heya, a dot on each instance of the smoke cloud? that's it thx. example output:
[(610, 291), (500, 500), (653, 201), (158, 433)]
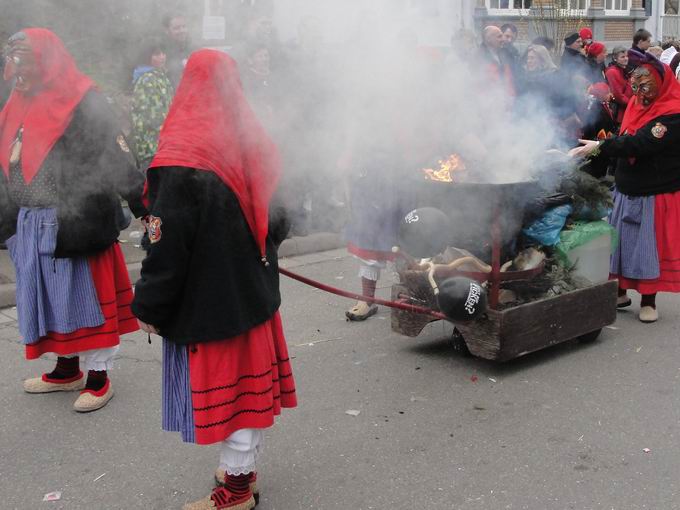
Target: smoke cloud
[(349, 87)]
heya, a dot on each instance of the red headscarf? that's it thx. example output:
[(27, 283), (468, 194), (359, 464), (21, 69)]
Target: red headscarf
[(585, 33), (45, 115), (666, 103), (596, 48), (600, 91), (211, 127)]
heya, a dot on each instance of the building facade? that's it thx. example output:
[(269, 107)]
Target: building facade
[(612, 21)]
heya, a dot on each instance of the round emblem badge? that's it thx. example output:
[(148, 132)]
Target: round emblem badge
[(659, 130)]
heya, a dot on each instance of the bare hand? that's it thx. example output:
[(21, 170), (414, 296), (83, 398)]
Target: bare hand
[(147, 328), (588, 147)]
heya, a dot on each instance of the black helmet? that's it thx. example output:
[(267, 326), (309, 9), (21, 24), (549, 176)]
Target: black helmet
[(424, 232), (461, 299)]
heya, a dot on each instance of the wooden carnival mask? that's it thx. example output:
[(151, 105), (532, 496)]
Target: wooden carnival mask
[(645, 86), (20, 64)]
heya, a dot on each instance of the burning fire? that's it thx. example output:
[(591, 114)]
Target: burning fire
[(454, 163)]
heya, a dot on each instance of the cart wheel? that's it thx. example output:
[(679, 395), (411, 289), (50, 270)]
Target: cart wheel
[(458, 343), (589, 337)]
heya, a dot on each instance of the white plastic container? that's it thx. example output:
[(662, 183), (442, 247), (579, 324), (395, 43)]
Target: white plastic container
[(592, 259)]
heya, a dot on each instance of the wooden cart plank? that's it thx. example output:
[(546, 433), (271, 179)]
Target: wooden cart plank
[(483, 336), (407, 323), (540, 324), (507, 334)]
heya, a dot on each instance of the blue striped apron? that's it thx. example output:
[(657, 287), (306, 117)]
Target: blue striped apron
[(636, 255), (53, 294), (178, 414)]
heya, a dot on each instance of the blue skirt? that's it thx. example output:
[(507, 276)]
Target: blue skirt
[(377, 208)]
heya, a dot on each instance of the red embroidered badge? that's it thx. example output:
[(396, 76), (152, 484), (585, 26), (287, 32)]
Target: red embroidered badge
[(154, 228), (659, 130)]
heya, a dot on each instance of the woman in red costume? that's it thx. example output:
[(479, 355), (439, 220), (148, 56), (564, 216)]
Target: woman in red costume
[(65, 165), (210, 284), (647, 197)]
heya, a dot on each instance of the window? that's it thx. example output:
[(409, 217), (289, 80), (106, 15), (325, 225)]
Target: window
[(520, 5), (671, 7), (509, 4), (619, 6)]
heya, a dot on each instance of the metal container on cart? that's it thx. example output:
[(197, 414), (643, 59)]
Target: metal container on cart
[(486, 218)]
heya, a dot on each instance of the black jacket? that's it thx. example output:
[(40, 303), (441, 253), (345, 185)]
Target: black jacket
[(573, 61), (595, 72), (599, 123), (93, 167), (203, 278), (648, 161)]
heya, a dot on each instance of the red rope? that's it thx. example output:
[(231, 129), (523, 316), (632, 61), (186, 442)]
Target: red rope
[(352, 295)]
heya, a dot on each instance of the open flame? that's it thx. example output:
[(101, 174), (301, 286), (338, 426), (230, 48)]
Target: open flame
[(454, 163)]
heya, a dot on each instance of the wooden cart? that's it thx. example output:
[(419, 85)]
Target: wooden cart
[(503, 335)]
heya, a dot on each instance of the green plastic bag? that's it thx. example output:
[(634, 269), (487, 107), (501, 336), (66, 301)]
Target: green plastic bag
[(580, 233)]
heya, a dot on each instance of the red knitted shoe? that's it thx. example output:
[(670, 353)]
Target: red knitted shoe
[(222, 498)]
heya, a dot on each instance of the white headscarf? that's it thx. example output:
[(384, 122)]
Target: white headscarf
[(668, 55)]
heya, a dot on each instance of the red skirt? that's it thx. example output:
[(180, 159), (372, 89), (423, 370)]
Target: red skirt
[(241, 382), (667, 230), (114, 291)]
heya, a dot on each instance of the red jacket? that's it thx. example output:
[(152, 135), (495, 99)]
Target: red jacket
[(620, 87)]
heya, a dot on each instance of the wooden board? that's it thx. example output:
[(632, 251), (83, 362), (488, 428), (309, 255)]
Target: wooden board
[(407, 323), (527, 328)]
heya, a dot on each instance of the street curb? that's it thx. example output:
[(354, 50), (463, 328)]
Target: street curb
[(292, 247), (314, 243), (7, 295)]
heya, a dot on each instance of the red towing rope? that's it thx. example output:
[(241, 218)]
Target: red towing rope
[(333, 290)]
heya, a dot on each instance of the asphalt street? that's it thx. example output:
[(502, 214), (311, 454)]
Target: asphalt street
[(572, 427)]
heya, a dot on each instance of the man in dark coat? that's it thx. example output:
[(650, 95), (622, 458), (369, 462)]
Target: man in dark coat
[(509, 37), (642, 40), (177, 45), (575, 71), (573, 59)]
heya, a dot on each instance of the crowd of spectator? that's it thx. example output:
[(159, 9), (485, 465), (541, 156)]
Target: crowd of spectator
[(297, 87), (587, 93)]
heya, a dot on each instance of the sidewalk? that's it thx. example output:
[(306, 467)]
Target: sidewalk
[(129, 243)]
